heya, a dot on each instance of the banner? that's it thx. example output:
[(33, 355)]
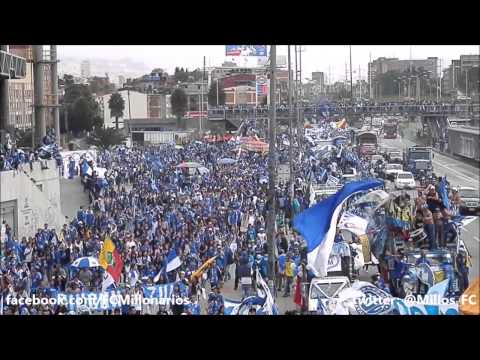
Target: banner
[(334, 263), (245, 50), (163, 291), (353, 223)]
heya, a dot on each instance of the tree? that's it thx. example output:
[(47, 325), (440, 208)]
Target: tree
[(68, 80), (83, 114), (101, 86), (179, 103), (212, 95), (105, 138), (116, 105)]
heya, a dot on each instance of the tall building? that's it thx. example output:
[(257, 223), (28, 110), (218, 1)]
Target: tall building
[(121, 81), (383, 65), (318, 78), (85, 69), (20, 92)]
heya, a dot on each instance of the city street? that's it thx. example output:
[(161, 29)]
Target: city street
[(459, 174)]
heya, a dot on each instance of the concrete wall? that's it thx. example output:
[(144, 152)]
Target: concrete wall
[(34, 206)]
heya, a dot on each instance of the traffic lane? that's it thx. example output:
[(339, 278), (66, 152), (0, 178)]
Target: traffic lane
[(442, 165), (460, 169)]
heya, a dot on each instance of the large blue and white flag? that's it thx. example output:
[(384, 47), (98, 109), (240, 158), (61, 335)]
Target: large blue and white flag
[(173, 261), (318, 223)]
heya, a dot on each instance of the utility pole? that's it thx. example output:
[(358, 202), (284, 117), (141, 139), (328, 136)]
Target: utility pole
[(290, 123), (272, 170), (351, 78), (201, 99), (360, 81), (300, 111), (40, 127), (370, 77), (54, 77), (299, 140), (466, 82)]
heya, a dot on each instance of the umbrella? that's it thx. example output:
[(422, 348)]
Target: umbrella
[(85, 262), (189, 164), (203, 170), (226, 161)]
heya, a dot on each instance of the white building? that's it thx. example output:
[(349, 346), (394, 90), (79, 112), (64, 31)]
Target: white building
[(85, 69), (135, 107)]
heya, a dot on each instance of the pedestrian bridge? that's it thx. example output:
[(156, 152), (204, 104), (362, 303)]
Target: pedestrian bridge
[(447, 110)]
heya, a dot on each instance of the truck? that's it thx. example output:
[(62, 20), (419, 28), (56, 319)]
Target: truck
[(418, 160), (366, 142), (390, 128)]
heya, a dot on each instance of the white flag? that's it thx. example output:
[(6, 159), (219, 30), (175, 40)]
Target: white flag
[(353, 223), (107, 281)]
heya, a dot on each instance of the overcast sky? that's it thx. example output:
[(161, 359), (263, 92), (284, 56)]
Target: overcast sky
[(315, 57)]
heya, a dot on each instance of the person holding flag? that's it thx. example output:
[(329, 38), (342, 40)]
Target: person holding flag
[(110, 260)]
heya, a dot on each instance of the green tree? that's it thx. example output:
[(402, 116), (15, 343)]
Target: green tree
[(116, 105), (212, 95), (83, 114), (68, 80), (106, 137), (179, 102)]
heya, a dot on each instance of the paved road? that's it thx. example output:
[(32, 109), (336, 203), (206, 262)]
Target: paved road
[(458, 174), (72, 196)]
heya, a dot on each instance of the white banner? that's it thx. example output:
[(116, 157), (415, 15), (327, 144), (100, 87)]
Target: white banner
[(353, 223)]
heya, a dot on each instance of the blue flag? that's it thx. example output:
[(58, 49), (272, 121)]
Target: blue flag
[(442, 190), (318, 223)]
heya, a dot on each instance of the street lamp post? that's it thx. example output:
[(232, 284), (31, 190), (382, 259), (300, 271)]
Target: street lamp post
[(271, 218), (466, 82)]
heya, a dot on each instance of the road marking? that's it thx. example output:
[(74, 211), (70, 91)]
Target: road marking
[(476, 239), (456, 173)]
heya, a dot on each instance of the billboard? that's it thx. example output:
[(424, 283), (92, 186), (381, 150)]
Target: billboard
[(246, 50)]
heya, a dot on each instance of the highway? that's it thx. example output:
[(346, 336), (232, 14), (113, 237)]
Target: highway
[(458, 174)]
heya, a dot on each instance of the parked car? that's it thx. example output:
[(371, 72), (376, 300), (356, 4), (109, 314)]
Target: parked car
[(469, 200), (404, 180)]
